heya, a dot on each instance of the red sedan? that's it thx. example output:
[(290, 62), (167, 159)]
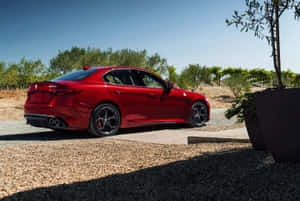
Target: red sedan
[(104, 99)]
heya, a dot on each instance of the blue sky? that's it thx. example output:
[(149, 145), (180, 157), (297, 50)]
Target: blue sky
[(183, 31)]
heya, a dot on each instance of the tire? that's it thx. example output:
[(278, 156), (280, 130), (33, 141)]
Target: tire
[(105, 120), (198, 114)]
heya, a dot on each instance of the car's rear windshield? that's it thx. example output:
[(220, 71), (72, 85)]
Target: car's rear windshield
[(77, 75)]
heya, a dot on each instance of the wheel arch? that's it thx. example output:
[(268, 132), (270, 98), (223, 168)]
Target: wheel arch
[(200, 100)]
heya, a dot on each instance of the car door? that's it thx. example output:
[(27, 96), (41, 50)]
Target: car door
[(151, 88), (136, 102), (167, 104), (176, 104)]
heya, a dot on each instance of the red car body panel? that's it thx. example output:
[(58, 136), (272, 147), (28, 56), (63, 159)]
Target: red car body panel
[(139, 106)]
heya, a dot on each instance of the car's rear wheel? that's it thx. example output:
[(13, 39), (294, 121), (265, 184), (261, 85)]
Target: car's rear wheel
[(105, 120), (199, 114)]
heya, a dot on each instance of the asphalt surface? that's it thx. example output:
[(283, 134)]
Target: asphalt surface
[(17, 132)]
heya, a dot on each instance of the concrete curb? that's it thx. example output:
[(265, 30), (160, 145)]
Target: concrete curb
[(198, 140)]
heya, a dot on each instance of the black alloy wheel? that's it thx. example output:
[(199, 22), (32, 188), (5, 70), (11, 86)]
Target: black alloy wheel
[(199, 114), (105, 120)]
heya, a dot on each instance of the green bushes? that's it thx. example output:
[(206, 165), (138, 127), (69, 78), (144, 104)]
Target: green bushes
[(193, 75), (19, 75), (238, 84), (76, 58)]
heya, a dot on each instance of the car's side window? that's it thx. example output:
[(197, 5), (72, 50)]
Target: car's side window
[(144, 79), (119, 77)]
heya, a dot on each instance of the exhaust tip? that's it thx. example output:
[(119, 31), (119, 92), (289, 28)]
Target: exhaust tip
[(57, 123)]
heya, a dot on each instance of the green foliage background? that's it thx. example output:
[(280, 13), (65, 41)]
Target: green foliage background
[(19, 75)]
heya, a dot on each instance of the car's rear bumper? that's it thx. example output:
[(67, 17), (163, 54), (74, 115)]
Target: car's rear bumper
[(56, 117), (47, 121)]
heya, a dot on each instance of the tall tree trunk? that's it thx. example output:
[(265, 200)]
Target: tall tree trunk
[(274, 55), (277, 39)]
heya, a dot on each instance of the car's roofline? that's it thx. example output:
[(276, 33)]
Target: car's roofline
[(118, 67), (108, 68)]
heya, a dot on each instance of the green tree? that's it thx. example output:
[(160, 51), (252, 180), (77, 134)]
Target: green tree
[(216, 73), (67, 61), (2, 67), (205, 75), (76, 58), (288, 78), (234, 71), (28, 71), (92, 57), (296, 82), (238, 84), (172, 76), (193, 75), (9, 77), (182, 81), (2, 70), (158, 64), (263, 14), (259, 75), (229, 71)]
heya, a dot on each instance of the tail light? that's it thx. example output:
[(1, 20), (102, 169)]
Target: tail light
[(52, 88), (60, 90), (66, 91)]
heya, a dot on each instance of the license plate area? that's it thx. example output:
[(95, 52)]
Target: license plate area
[(40, 98)]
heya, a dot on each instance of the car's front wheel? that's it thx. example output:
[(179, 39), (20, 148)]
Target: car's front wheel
[(199, 114), (105, 120)]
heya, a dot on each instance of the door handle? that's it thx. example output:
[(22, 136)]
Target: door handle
[(151, 95), (118, 92)]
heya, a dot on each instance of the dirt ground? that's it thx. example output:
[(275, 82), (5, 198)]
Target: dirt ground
[(218, 97), (12, 104), (12, 101)]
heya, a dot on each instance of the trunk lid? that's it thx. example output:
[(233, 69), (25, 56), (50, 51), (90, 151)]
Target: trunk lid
[(44, 92)]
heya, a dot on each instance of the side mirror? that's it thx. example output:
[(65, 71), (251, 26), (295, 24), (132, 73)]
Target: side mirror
[(170, 85)]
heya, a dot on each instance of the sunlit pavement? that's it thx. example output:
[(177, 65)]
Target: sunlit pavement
[(17, 132)]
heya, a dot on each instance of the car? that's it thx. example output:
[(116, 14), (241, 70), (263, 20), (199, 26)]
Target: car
[(104, 99)]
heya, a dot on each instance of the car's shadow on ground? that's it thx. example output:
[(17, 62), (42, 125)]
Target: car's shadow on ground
[(152, 128), (45, 136)]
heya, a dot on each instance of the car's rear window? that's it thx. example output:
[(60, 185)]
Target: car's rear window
[(77, 75)]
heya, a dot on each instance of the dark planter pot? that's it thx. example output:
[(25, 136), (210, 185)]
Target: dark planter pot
[(278, 115), (254, 133)]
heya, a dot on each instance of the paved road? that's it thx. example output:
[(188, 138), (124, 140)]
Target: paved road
[(17, 132)]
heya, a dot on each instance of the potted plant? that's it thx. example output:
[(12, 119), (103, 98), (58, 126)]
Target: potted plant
[(278, 112), (244, 107), (277, 109)]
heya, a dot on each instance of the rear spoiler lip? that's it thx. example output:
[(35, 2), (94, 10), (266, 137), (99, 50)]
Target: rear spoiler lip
[(45, 82), (31, 85)]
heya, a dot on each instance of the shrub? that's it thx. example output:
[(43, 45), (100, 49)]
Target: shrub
[(244, 106), (238, 84)]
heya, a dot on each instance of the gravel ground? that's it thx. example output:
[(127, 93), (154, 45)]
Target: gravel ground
[(113, 170), (26, 167)]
